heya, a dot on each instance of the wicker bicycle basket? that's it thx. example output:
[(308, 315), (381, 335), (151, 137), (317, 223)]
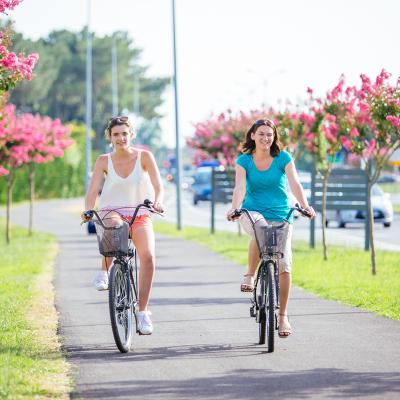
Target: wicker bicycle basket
[(113, 240), (271, 239)]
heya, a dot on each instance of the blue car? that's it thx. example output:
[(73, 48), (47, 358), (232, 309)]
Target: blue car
[(201, 186)]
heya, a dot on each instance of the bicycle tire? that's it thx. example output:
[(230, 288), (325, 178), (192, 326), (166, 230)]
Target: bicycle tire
[(270, 320), (121, 313), (260, 299)]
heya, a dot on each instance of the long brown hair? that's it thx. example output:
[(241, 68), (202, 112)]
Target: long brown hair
[(249, 145)]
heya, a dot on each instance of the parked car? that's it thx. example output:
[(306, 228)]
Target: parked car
[(201, 186), (381, 204), (389, 178)]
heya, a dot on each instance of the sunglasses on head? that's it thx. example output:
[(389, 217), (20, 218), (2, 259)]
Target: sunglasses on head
[(118, 120)]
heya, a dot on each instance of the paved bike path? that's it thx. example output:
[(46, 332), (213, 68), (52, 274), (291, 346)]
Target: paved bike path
[(204, 344)]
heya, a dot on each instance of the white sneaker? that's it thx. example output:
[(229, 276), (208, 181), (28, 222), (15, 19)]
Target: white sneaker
[(101, 280), (144, 324)]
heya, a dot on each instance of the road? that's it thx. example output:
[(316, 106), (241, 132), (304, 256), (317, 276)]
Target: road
[(204, 344), (352, 235)]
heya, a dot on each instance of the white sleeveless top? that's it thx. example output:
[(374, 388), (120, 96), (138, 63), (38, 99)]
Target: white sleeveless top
[(126, 192)]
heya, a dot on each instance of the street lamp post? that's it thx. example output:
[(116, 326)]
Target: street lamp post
[(177, 139), (114, 77), (88, 120)]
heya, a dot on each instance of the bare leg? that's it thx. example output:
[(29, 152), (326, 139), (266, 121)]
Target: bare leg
[(253, 261), (106, 263), (285, 279), (254, 257), (143, 239)]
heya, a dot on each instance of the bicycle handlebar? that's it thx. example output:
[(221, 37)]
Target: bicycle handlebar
[(239, 211), (88, 214)]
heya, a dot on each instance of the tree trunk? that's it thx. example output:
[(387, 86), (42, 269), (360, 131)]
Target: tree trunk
[(10, 183), (371, 229), (31, 177), (323, 213)]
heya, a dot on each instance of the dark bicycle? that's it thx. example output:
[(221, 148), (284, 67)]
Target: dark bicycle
[(114, 241), (265, 300)]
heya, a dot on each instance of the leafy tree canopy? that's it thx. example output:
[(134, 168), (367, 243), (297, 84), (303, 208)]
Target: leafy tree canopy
[(59, 88)]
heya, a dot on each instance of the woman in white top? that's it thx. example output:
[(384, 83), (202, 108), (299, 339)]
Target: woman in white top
[(130, 176)]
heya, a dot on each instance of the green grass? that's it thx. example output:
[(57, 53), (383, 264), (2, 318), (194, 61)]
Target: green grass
[(390, 187), (396, 208), (31, 363), (345, 277)]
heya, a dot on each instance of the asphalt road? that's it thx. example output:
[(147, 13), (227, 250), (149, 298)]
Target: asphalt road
[(204, 343)]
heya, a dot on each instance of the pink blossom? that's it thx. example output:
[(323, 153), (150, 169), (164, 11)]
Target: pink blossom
[(380, 79), (354, 132), (8, 4), (346, 142), (395, 121), (367, 153), (3, 171)]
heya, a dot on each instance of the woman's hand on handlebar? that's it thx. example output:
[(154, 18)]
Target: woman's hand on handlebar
[(309, 212), (86, 216), (158, 207), (232, 214)]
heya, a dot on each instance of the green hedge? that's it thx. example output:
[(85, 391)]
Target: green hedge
[(63, 177)]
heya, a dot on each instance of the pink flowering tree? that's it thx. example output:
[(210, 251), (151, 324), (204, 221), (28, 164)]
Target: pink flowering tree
[(13, 154), (13, 68), (46, 139), (219, 137), (375, 132), (8, 5), (292, 128), (27, 140), (327, 123)]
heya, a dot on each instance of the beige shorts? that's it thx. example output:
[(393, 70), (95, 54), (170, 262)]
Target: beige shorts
[(284, 244)]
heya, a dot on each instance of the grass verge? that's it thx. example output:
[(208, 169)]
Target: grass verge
[(390, 187), (31, 362), (345, 277)]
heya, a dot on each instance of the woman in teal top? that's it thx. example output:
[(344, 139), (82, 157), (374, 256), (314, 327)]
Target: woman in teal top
[(262, 172)]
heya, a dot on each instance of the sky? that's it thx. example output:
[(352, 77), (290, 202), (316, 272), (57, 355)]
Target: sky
[(237, 54)]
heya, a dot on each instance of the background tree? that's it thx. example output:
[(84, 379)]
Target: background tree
[(375, 134), (59, 86), (46, 140)]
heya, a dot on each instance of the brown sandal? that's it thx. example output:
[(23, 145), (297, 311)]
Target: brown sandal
[(248, 283), (284, 330)]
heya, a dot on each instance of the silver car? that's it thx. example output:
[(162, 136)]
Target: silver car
[(381, 204)]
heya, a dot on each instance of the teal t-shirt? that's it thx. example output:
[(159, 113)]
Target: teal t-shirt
[(266, 191)]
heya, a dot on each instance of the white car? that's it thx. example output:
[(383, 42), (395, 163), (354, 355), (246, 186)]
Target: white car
[(381, 204)]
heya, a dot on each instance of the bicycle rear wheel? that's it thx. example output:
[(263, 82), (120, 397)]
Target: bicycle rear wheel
[(121, 313), (271, 305)]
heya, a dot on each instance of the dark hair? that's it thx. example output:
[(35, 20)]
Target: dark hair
[(249, 145), (119, 120)]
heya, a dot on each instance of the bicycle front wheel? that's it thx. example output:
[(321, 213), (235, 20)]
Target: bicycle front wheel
[(271, 305), (261, 303), (121, 313)]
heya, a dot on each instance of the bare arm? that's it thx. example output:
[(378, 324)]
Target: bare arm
[(149, 165), (96, 182), (297, 188), (239, 190)]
